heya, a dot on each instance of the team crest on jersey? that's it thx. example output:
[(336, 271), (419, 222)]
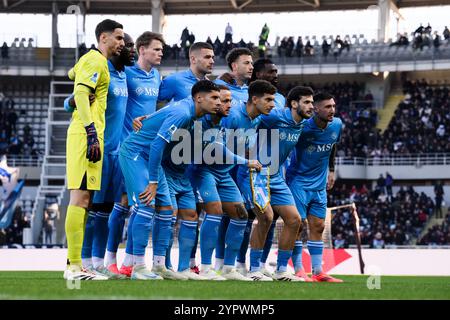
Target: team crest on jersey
[(311, 149), (94, 77), (334, 135)]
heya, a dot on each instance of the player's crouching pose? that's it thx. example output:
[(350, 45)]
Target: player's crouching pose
[(140, 159), (220, 195)]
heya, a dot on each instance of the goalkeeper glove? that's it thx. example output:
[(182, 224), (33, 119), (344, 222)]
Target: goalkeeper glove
[(67, 105), (93, 145)]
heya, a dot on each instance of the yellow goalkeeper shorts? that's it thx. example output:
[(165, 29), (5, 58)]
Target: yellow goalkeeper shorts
[(77, 165)]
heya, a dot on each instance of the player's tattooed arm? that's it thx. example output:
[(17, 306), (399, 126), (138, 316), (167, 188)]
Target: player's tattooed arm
[(332, 160), (331, 164)]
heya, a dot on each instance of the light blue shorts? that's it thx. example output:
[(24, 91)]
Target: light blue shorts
[(135, 172), (213, 186), (313, 202), (181, 192)]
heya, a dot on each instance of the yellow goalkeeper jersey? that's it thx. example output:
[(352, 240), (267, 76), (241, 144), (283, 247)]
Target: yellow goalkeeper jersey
[(91, 71)]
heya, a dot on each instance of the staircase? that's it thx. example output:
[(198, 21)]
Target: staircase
[(385, 114), (430, 223), (53, 174)]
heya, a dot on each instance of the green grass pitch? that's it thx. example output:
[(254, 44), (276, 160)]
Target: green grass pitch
[(50, 285)]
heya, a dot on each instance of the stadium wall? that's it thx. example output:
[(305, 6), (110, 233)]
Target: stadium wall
[(425, 172), (431, 75), (426, 262)]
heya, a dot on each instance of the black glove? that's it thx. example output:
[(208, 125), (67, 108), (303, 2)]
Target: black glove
[(93, 145)]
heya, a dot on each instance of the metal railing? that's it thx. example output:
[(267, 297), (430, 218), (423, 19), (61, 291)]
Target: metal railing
[(358, 54), (24, 161), (417, 160), (426, 159)]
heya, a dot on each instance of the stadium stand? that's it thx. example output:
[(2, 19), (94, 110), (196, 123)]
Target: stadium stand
[(29, 102), (420, 123), (438, 234), (398, 218)]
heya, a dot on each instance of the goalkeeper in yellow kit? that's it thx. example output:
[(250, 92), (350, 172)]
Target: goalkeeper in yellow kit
[(84, 146)]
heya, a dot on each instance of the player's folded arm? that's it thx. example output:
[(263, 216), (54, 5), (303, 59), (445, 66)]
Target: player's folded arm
[(155, 158), (81, 94)]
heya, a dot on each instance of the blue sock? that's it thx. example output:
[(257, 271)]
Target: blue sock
[(100, 234), (233, 241), (269, 241), (129, 248), (315, 249), (282, 260), (220, 246), (209, 231), (86, 250), (115, 226), (162, 228), (245, 241), (194, 249), (142, 226), (169, 249), (255, 259), (297, 255), (186, 240)]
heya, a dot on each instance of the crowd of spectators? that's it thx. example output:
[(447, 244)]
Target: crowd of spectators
[(11, 142), (20, 44), (423, 37), (287, 47), (384, 219), (221, 48), (14, 233), (421, 122), (437, 234)]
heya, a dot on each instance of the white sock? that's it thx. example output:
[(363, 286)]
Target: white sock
[(241, 265), (205, 267), (87, 263), (192, 263), (219, 264), (159, 261), (138, 260), (98, 262), (110, 258), (262, 265), (128, 261)]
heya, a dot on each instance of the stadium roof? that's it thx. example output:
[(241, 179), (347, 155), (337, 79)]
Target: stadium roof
[(200, 6)]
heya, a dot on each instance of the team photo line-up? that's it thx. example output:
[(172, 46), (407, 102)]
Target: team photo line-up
[(161, 151)]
